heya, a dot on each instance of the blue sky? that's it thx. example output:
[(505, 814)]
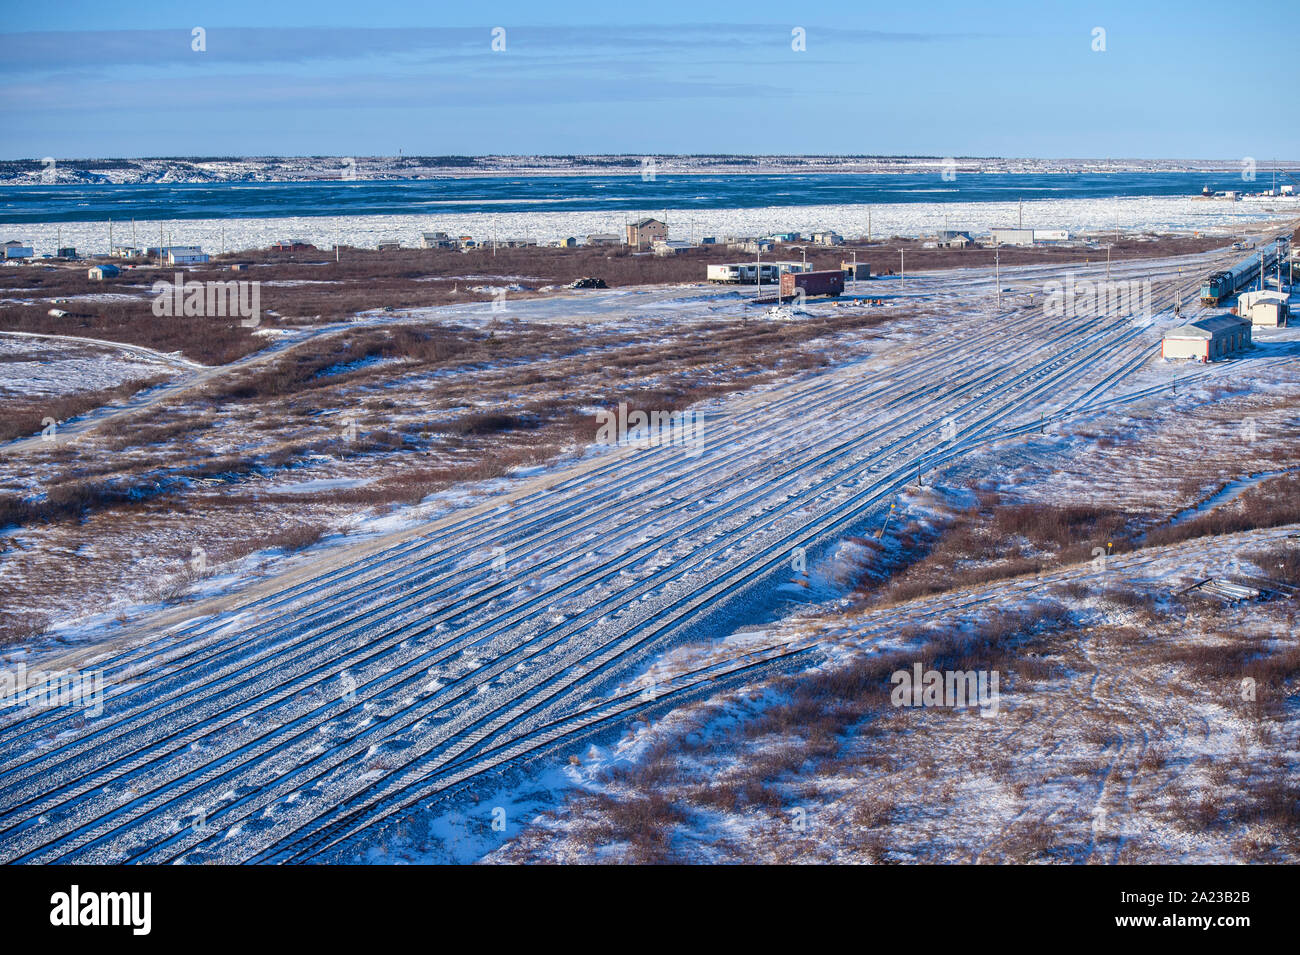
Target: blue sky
[(372, 78)]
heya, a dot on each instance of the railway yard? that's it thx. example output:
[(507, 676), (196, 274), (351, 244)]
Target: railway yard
[(502, 634)]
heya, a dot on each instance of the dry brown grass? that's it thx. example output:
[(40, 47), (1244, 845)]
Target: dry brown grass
[(285, 398), (18, 627), (1121, 722), (1273, 502), (410, 278), (996, 540), (23, 416)]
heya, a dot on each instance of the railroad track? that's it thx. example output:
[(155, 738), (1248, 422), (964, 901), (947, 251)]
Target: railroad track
[(265, 762), (1012, 592), (43, 767)]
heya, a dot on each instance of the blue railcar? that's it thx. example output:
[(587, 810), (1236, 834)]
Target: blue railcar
[(1219, 285)]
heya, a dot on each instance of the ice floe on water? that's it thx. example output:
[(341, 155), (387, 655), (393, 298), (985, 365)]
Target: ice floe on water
[(1150, 213)]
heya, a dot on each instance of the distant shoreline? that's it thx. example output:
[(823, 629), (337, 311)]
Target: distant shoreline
[(308, 169)]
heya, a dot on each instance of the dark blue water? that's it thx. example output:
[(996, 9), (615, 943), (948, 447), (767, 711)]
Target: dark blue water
[(238, 200)]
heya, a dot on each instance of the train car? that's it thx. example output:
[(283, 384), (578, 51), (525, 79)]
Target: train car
[(829, 282), (1220, 285)]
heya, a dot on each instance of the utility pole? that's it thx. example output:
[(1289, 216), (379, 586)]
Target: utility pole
[(855, 268), (110, 236), (997, 272), (888, 514), (902, 271), (1108, 261)]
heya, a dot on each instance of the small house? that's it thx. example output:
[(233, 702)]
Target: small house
[(950, 239), (646, 232)]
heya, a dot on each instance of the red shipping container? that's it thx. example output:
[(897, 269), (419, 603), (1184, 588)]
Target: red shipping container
[(830, 282)]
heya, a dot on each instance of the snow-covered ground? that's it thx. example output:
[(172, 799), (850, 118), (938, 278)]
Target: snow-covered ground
[(1089, 756), (321, 714), (34, 365)]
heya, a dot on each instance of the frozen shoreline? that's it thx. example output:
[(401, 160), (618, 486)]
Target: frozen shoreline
[(1154, 214)]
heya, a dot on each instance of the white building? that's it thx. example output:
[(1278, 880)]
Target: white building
[(751, 272), (670, 246), (1012, 237), (18, 250), (186, 255), (1207, 339), (1266, 309)]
